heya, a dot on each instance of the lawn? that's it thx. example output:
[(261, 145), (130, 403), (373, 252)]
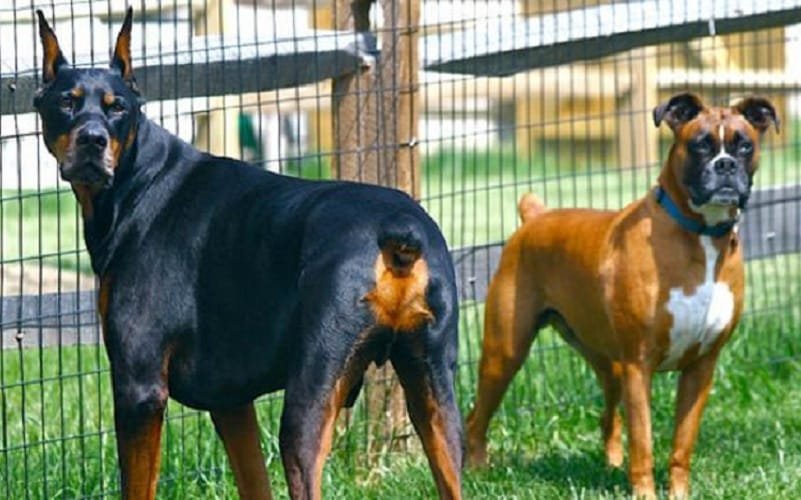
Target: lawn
[(55, 405), (42, 225), (57, 421)]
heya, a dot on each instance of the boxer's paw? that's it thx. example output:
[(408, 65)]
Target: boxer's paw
[(476, 452), (614, 454), (679, 483), (643, 487)]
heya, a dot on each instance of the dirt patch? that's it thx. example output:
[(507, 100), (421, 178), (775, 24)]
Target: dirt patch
[(34, 279)]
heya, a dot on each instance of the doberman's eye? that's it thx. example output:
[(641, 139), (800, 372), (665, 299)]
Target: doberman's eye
[(66, 102), (116, 107)]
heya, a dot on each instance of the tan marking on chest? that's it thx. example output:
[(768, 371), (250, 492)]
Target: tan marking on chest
[(85, 194), (103, 299)]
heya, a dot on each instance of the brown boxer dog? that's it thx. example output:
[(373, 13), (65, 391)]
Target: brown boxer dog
[(653, 287)]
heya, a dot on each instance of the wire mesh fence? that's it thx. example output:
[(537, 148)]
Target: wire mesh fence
[(466, 104)]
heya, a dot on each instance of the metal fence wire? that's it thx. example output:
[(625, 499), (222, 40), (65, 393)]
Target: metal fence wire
[(467, 104)]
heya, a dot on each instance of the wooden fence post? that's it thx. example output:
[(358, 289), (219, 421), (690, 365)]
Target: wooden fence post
[(400, 90), (637, 138), (375, 127), (218, 130), (355, 117)]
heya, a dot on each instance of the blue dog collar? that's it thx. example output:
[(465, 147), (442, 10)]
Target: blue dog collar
[(687, 223)]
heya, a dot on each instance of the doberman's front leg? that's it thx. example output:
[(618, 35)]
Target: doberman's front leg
[(239, 430), (138, 416)]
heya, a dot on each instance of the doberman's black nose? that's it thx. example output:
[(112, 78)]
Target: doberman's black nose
[(92, 136)]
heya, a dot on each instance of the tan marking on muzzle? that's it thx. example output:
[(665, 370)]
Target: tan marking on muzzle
[(61, 146), (116, 151), (117, 148)]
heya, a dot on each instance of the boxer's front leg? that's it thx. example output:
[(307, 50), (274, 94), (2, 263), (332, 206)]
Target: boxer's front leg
[(637, 401), (695, 384)]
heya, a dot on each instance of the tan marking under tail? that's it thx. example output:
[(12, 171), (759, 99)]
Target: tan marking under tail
[(398, 300)]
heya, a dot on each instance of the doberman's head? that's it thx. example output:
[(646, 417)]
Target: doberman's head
[(716, 150), (89, 116)]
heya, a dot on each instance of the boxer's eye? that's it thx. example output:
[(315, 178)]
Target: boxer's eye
[(745, 148), (701, 146)]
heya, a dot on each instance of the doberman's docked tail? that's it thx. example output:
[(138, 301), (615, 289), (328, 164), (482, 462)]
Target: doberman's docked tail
[(398, 300)]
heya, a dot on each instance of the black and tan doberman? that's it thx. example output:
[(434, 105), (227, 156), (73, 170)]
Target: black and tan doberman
[(220, 282)]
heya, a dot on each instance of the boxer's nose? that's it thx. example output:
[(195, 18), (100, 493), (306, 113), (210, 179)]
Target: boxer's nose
[(725, 166)]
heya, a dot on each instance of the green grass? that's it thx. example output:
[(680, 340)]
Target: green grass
[(56, 438), (57, 422), (44, 226)]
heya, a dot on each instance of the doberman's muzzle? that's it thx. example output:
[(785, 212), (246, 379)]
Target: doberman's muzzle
[(89, 158)]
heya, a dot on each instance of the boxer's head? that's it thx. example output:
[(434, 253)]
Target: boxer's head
[(716, 149)]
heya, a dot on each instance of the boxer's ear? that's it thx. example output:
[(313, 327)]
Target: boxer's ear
[(759, 112), (678, 110)]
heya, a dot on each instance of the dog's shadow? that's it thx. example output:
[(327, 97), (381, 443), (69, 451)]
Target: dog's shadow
[(577, 474)]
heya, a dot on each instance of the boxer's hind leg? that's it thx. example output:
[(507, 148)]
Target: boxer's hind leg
[(608, 373), (510, 322)]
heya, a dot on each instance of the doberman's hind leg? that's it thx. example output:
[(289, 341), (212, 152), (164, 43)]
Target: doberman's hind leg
[(509, 329), (313, 398), (427, 377), (239, 430)]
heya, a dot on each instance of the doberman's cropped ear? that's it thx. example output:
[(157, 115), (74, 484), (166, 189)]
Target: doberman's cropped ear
[(53, 58), (678, 110), (759, 112), (122, 50)]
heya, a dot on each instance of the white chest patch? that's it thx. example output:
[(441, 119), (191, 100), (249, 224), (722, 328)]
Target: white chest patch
[(700, 317)]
